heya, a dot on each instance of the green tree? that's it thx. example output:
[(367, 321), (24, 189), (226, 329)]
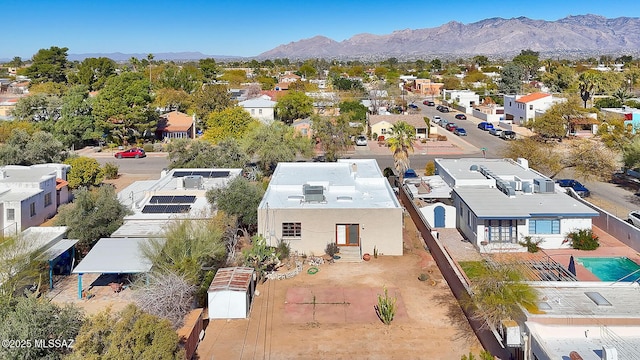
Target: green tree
[(185, 153), (48, 88), (529, 61), (16, 62), (31, 319), (76, 126), (232, 122), (559, 79), (498, 291), (354, 109), (210, 98), (614, 134), (511, 79), (239, 198), (188, 247), (24, 149), (631, 154), (401, 143), (234, 77), (48, 65), (94, 214), (94, 72), (275, 143), (85, 172), (294, 105), (588, 83), (172, 99), (209, 69), (556, 122), (345, 84), (17, 270), (187, 78), (38, 108), (334, 135), (128, 335), (7, 127), (122, 108)]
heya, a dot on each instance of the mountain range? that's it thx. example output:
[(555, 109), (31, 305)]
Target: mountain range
[(570, 37), (495, 37)]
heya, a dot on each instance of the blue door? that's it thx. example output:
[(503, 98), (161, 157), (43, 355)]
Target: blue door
[(438, 216)]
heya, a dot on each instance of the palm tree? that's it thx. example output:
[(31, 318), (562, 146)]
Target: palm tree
[(401, 143), (134, 63), (621, 95), (588, 83)]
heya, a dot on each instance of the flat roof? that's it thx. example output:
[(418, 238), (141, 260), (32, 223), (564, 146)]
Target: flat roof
[(460, 169), (141, 229), (57, 249), (428, 187), (116, 256), (568, 300), (347, 184), (489, 203), (588, 341), (29, 174)]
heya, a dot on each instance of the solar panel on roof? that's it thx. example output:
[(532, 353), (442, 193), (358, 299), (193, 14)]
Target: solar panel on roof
[(203, 173), (165, 209), (178, 199)]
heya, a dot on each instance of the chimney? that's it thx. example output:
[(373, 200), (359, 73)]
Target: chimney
[(354, 169)]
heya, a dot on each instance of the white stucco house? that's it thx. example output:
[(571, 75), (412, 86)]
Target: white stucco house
[(499, 202), (349, 203), (466, 99), (29, 195), (260, 108), (522, 108)]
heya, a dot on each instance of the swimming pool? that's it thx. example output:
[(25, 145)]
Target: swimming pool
[(611, 268)]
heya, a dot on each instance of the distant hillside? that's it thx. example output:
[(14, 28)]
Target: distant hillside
[(170, 56), (573, 35)]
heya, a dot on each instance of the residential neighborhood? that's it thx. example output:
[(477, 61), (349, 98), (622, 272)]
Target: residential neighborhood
[(425, 208)]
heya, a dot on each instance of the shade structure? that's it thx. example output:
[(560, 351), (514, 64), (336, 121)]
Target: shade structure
[(572, 265)]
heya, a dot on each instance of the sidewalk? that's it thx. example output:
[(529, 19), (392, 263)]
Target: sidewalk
[(89, 151)]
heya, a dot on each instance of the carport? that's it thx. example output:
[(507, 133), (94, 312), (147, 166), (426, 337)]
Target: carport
[(60, 257), (115, 256)]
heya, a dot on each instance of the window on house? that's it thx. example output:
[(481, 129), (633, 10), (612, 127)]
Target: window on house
[(253, 111), (47, 199), (260, 111), (503, 231), (530, 107), (292, 230), (32, 208), (11, 214), (544, 226)]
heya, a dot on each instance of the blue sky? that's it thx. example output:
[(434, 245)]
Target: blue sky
[(247, 28)]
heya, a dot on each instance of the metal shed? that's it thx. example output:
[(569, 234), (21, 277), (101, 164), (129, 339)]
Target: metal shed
[(231, 293)]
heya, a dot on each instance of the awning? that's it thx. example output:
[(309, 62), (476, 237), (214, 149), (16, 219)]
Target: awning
[(116, 256), (57, 249)]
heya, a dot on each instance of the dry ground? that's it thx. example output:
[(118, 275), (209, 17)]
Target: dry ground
[(430, 324)]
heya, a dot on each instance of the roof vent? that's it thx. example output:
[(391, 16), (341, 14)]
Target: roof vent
[(295, 197), (344, 198), (473, 168), (313, 193)]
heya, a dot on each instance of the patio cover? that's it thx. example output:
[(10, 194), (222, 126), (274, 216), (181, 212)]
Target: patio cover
[(116, 256), (57, 249)]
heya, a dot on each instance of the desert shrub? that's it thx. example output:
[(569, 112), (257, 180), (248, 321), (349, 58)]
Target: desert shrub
[(386, 308), (158, 147), (331, 249), (148, 147), (531, 244), (110, 170), (201, 293), (283, 250), (442, 138), (423, 277), (430, 168), (583, 239)]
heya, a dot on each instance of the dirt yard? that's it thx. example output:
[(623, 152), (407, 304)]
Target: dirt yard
[(330, 315)]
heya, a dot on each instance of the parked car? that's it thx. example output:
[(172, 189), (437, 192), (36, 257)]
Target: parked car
[(460, 131), (436, 119), (429, 103), (634, 218), (410, 173), (451, 126), (461, 116), (495, 131), (580, 189), (361, 140), (508, 135), (413, 106), (485, 126), (443, 109), (443, 122), (131, 153)]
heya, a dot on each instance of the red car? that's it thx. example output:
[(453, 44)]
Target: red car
[(131, 153), (461, 117), (451, 126)]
